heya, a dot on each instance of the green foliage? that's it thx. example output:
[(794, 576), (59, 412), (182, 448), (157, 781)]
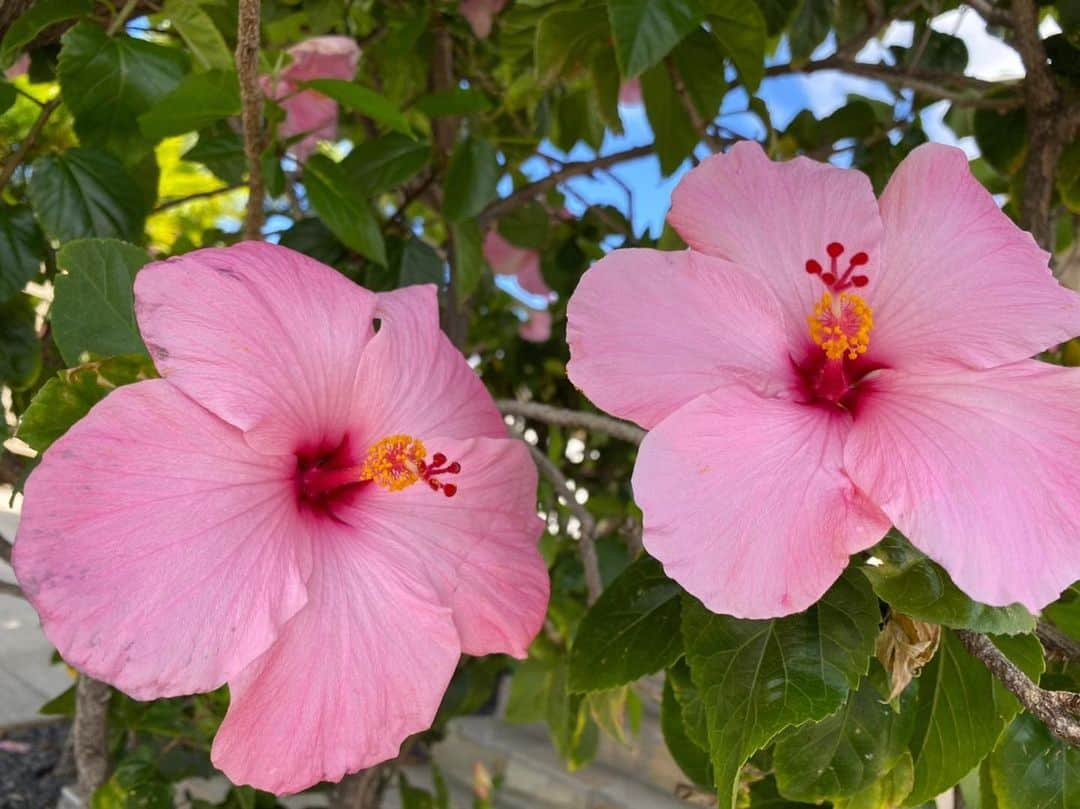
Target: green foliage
[(21, 247), (198, 101), (645, 31), (470, 179), (93, 311), (759, 677), (343, 208), (1032, 769), (631, 631), (37, 17), (913, 584)]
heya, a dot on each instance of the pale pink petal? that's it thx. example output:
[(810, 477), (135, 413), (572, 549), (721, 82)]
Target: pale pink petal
[(961, 282), (480, 14), (772, 217), (650, 330), (478, 547), (537, 326), (978, 469), (18, 68), (265, 337), (161, 552), (439, 395), (630, 92), (325, 57), (509, 259), (746, 503), (310, 112), (355, 673)]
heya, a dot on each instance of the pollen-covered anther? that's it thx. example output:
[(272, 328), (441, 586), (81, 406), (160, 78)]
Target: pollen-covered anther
[(841, 325), (397, 462)]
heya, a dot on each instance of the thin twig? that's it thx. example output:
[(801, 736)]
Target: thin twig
[(90, 734), (12, 468), (119, 20), (592, 422), (173, 203), (991, 13), (27, 143), (6, 547), (589, 560), (1057, 643), (699, 124), (1056, 709), (247, 67), (533, 190), (8, 589)]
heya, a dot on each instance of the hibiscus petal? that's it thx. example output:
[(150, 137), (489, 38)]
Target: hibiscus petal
[(478, 547), (771, 217), (325, 57), (978, 469), (962, 283), (162, 553), (265, 337), (356, 672), (650, 330), (746, 504), (311, 112), (440, 395)]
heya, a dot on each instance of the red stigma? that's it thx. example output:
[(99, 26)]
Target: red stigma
[(430, 474), (833, 278)]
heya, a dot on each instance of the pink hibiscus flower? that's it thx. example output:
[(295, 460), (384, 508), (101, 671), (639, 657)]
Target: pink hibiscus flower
[(506, 258), (536, 328), (322, 515), (18, 68), (821, 364), (306, 111), (630, 92), (480, 15)]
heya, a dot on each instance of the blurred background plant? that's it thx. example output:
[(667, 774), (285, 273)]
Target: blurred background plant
[(496, 148)]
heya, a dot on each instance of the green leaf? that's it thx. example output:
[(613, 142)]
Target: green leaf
[(20, 349), (458, 101), (93, 305), (108, 81), (471, 179), (740, 29), (645, 31), (199, 33), (199, 100), (565, 38), (914, 585), (691, 758), (364, 100), (674, 134), (420, 264), (37, 17), (765, 795), (21, 249), (961, 710), (68, 396), (845, 753), (343, 207), (1001, 138), (86, 192), (694, 713), (469, 265), (760, 677), (777, 14), (312, 238), (384, 163), (8, 97), (1033, 769), (222, 152), (632, 630), (527, 225), (887, 792)]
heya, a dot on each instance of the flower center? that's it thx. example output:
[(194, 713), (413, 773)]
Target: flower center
[(397, 462), (394, 463), (841, 325)]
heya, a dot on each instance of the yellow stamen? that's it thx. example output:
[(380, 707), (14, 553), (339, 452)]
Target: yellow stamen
[(395, 462), (841, 326)]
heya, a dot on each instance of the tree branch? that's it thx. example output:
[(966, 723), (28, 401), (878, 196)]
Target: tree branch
[(6, 547), (1057, 643), (28, 142), (593, 422), (991, 13), (576, 169), (8, 589), (589, 560), (1045, 123), (247, 67), (11, 468), (90, 734), (1056, 709)]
